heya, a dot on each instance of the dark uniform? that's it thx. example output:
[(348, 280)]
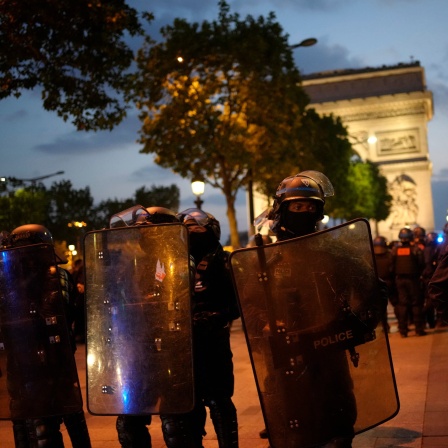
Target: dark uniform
[(44, 431), (438, 289), (384, 266), (214, 308), (431, 256), (408, 264), (298, 207)]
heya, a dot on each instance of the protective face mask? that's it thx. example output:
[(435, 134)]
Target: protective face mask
[(299, 224), (201, 244)]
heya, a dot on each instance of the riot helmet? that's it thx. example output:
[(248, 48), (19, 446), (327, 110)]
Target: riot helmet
[(138, 215), (204, 232), (160, 215), (419, 234), (299, 204), (379, 245), (30, 234), (202, 219), (431, 238), (406, 235)]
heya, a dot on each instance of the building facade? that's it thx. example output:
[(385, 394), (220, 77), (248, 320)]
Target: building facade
[(386, 111)]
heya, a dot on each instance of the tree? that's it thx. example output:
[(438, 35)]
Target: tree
[(67, 212), (365, 193), (23, 205), (168, 197), (74, 50), (223, 101), (70, 213), (161, 196)]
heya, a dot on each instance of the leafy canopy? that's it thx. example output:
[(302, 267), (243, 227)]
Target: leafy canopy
[(68, 212), (222, 101), (365, 193), (76, 51)]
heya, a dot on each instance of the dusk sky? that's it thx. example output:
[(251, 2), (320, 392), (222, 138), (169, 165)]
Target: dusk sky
[(350, 33)]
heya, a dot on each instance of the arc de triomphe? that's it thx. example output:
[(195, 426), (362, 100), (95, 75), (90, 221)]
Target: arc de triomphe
[(386, 111)]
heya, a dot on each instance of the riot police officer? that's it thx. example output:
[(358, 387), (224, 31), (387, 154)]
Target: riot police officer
[(133, 430), (293, 296), (419, 237), (444, 243), (214, 308), (431, 256), (298, 208), (44, 431), (438, 289), (384, 266), (408, 265)]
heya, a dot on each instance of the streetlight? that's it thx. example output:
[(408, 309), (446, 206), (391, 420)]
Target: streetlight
[(305, 43), (198, 187), (35, 179), (32, 180)]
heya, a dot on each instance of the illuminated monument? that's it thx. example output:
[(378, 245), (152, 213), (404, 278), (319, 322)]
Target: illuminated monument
[(386, 111)]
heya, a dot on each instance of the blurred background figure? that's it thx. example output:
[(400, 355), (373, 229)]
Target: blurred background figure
[(384, 266), (431, 254), (438, 290), (419, 237), (408, 264)]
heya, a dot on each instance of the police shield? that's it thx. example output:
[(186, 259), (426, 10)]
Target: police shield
[(138, 317), (314, 323), (38, 370)]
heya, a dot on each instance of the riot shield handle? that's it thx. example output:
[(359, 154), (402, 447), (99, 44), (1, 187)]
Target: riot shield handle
[(277, 332)]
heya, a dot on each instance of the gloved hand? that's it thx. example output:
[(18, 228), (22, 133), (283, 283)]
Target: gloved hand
[(209, 320)]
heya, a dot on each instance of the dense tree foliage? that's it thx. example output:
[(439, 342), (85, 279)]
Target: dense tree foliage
[(222, 100), (168, 197), (68, 213), (75, 51), (365, 194)]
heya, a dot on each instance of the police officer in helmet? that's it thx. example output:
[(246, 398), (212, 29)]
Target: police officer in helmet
[(408, 265), (384, 264), (297, 209), (132, 430), (299, 205), (44, 431), (214, 308)]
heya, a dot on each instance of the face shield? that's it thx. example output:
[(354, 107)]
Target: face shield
[(194, 214), (129, 217)]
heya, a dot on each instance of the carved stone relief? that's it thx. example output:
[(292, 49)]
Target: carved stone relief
[(397, 142), (404, 210)]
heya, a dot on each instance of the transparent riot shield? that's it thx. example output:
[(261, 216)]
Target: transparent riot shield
[(38, 369), (138, 317), (314, 323)]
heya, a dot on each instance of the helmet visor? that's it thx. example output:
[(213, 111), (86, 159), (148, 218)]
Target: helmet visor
[(195, 214), (129, 217)]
